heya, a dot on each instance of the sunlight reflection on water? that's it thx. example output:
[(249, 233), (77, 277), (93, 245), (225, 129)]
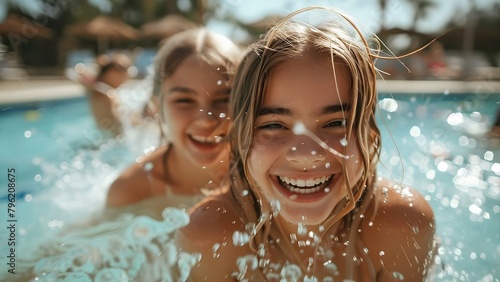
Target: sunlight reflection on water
[(441, 143)]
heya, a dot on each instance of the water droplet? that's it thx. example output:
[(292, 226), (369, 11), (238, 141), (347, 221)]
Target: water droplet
[(219, 82), (475, 209), (385, 190), (38, 178), (415, 131), (148, 166), (455, 119), (398, 276), (215, 247), (343, 142), (240, 238), (299, 128), (382, 253), (301, 229), (388, 104), (275, 207), (222, 115), (488, 155)]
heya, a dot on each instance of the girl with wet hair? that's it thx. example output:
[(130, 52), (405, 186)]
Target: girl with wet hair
[(132, 239), (193, 74), (103, 92), (304, 202)]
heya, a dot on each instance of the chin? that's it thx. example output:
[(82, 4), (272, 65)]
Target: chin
[(208, 160), (307, 217)]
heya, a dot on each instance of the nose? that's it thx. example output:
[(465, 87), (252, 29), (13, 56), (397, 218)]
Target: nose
[(306, 152), (206, 115)]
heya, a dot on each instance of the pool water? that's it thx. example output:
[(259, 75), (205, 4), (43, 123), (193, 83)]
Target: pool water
[(442, 141), (437, 143), (63, 163)]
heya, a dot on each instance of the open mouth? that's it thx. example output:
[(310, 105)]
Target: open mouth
[(211, 140), (308, 186)]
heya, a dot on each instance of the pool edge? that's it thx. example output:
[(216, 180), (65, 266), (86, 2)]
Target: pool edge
[(18, 92)]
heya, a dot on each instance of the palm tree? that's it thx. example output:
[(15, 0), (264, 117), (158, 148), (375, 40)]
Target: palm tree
[(421, 7), (383, 7)]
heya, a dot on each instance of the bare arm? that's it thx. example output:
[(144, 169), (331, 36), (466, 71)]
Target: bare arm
[(135, 183), (402, 239), (210, 233)]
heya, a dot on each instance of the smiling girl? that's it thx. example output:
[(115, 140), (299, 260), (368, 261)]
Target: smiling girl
[(304, 201), (193, 74)]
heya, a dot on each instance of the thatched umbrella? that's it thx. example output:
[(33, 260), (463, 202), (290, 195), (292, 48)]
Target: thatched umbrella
[(104, 28), (166, 27), (24, 27)]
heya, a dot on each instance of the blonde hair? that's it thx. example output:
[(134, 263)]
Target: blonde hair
[(289, 40), (215, 49)]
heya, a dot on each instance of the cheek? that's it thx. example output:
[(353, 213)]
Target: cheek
[(268, 142), (175, 118), (354, 164), (255, 163), (259, 162)]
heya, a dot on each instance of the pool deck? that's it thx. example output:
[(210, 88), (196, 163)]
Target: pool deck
[(58, 88)]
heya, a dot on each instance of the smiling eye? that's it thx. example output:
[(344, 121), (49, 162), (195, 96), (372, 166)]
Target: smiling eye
[(337, 123), (183, 101), (222, 101), (272, 126)]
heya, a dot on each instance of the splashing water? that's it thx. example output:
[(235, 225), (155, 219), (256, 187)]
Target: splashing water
[(128, 248), (300, 129)]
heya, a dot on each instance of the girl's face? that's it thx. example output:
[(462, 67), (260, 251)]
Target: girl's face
[(294, 169), (194, 110)]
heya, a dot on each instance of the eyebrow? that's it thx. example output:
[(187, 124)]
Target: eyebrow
[(181, 89), (187, 90), (274, 111), (335, 109), (286, 112)]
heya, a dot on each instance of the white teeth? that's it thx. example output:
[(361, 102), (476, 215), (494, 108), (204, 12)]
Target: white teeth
[(210, 140), (308, 186)]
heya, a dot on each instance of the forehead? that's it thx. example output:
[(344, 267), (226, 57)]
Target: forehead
[(310, 80), (195, 71)]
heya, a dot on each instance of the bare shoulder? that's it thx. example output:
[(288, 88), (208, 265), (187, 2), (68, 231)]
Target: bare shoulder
[(215, 217), (400, 234), (135, 183), (210, 232), (398, 203)]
